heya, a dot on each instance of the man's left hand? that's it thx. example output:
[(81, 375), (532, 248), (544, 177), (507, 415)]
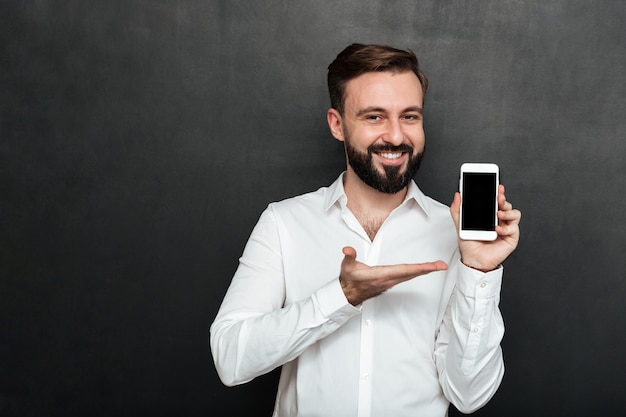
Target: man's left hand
[(487, 256)]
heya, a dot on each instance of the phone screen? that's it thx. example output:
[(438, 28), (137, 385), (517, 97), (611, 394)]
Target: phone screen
[(479, 190)]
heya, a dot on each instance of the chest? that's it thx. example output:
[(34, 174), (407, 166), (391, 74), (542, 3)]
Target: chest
[(312, 253)]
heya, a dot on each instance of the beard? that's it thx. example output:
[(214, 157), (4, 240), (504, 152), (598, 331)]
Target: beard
[(394, 178)]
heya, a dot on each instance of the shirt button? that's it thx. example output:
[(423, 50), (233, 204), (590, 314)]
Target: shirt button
[(365, 375), (368, 322), (483, 284), (475, 329)]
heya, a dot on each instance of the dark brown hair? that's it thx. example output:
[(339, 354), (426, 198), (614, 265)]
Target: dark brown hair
[(358, 59)]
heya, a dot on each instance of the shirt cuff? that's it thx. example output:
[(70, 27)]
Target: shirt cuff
[(476, 284), (333, 304)]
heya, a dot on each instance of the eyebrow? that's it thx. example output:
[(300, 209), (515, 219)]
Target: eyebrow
[(374, 109)]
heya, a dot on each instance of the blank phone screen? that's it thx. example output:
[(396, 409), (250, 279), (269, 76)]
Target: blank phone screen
[(479, 190)]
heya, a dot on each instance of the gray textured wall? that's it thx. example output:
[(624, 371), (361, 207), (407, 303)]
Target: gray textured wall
[(140, 140)]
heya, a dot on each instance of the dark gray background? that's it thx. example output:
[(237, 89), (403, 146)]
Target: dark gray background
[(140, 141)]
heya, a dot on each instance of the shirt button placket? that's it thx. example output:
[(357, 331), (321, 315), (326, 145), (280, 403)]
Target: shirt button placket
[(371, 257), (365, 367)]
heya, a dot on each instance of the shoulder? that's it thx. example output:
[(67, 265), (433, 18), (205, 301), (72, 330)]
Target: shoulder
[(318, 201), (313, 200), (290, 213)]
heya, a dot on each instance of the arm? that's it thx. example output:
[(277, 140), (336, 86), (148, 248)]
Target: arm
[(467, 350), (254, 332), (468, 353)]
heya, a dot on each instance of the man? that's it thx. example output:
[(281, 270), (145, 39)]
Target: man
[(362, 291)]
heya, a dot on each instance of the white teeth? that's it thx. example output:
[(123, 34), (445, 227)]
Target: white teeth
[(391, 155)]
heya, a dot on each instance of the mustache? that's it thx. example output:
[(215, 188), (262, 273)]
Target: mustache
[(390, 148)]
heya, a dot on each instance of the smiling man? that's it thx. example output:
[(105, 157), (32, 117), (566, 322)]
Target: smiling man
[(362, 291)]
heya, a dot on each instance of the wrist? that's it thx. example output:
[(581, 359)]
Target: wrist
[(476, 267)]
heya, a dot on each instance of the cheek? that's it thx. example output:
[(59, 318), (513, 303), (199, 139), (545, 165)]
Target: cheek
[(416, 137), (363, 138)]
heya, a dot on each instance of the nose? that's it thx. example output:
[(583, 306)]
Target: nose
[(394, 134)]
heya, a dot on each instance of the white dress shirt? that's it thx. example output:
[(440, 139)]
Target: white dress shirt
[(408, 352)]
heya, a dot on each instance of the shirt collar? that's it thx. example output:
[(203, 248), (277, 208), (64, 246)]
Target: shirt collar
[(336, 194), (414, 193)]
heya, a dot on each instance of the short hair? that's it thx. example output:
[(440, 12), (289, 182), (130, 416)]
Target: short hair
[(358, 59)]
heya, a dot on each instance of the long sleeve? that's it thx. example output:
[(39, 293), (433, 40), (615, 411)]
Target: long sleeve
[(254, 332), (468, 353), (412, 350)]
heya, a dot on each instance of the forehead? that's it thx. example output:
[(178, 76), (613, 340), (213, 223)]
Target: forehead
[(383, 89)]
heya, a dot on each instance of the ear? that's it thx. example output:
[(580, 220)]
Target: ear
[(335, 123)]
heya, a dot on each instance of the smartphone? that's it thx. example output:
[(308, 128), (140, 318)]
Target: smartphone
[(479, 201)]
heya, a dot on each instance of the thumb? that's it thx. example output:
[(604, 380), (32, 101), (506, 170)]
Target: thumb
[(349, 260), (349, 252)]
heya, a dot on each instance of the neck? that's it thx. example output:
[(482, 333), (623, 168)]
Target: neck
[(370, 206)]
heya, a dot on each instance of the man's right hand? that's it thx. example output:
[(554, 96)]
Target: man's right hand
[(361, 282)]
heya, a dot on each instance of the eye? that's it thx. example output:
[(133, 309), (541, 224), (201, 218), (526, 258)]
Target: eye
[(412, 117), (373, 117)]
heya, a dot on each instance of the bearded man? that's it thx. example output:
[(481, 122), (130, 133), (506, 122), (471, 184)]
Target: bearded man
[(362, 291)]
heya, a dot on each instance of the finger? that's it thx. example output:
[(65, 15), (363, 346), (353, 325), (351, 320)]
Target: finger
[(510, 216), (439, 265), (403, 272), (507, 230), (509, 226), (504, 205), (501, 195)]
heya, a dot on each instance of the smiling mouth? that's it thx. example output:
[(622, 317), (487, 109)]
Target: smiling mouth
[(391, 158), (389, 151), (391, 155)]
